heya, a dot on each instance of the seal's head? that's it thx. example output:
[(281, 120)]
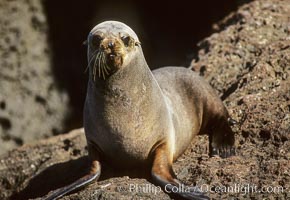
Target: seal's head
[(111, 46)]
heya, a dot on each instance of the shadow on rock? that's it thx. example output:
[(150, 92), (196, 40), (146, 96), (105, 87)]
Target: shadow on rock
[(62, 174), (54, 177)]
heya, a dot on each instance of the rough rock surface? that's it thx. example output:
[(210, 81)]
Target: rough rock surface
[(248, 61), (28, 93)]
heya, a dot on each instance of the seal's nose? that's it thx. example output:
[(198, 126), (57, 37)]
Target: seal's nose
[(107, 44), (111, 44)]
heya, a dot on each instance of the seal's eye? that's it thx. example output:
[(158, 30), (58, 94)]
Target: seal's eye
[(126, 40), (96, 40)]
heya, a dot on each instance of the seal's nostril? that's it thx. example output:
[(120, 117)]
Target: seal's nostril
[(110, 44), (102, 47)]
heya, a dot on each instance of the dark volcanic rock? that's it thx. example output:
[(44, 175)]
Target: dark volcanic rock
[(31, 106), (53, 156), (247, 61)]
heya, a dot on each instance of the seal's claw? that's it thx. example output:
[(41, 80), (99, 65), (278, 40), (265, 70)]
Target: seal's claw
[(223, 152)]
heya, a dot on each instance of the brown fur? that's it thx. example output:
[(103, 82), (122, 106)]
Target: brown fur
[(132, 116)]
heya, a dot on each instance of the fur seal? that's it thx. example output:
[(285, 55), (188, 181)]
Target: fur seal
[(133, 116)]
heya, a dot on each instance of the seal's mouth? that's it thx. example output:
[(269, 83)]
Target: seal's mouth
[(114, 52), (107, 54)]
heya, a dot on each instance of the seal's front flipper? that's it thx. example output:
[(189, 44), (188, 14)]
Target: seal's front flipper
[(93, 175), (187, 192), (163, 175)]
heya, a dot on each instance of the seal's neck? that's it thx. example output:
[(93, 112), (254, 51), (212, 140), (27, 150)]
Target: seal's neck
[(130, 95), (134, 76), (128, 89)]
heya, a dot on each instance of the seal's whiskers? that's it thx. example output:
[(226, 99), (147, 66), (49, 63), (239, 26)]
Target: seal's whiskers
[(106, 67), (94, 67), (90, 61), (99, 63)]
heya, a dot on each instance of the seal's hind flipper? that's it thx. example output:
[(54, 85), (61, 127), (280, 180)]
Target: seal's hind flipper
[(222, 140)]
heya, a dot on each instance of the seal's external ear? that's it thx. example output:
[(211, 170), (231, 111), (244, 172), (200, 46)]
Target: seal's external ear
[(138, 44), (85, 42)]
